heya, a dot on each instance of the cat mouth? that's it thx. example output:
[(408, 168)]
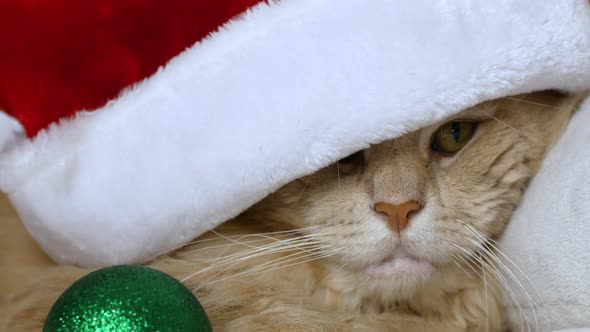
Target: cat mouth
[(401, 263)]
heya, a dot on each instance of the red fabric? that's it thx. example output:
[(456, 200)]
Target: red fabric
[(61, 56)]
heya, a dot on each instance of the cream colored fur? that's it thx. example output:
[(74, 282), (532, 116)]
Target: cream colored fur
[(297, 261)]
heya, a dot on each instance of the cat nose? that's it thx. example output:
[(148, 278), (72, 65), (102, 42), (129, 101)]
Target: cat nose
[(397, 215)]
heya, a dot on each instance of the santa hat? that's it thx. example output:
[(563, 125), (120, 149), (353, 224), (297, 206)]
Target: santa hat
[(150, 122)]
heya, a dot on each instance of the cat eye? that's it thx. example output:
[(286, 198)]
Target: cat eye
[(452, 136), (352, 163)]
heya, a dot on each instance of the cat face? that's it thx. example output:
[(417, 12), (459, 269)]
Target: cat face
[(407, 209)]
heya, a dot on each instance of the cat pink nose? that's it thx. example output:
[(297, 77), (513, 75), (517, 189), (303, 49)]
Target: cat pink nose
[(397, 215)]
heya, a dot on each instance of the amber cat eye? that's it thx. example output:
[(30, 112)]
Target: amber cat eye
[(452, 136)]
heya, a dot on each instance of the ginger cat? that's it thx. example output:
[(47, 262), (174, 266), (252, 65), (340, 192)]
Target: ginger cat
[(398, 237)]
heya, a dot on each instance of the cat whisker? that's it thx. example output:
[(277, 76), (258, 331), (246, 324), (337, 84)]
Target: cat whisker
[(494, 248), (538, 104), (301, 193), (282, 233), (241, 243), (325, 255), (281, 259), (235, 257), (316, 257), (299, 244), (497, 249), (308, 253), (485, 285), (458, 264), (534, 140), (287, 241), (487, 252), (532, 303), (507, 287), (189, 252), (468, 259), (286, 232), (218, 269), (498, 262), (272, 248), (498, 278), (255, 252), (491, 242), (467, 263)]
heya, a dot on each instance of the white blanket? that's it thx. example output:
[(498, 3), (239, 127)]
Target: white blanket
[(548, 237)]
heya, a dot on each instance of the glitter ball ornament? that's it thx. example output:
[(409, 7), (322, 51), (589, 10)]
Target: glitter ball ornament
[(125, 299)]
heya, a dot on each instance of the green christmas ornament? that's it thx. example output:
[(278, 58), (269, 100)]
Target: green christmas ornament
[(126, 299)]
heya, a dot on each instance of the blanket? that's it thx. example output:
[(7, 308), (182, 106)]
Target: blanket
[(546, 242)]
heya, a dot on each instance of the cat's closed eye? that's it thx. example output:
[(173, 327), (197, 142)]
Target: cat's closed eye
[(352, 163), (453, 136)]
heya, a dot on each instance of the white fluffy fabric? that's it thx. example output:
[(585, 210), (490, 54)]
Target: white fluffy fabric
[(548, 236), (278, 93), (10, 131)]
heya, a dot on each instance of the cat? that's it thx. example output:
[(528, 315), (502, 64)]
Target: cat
[(397, 237)]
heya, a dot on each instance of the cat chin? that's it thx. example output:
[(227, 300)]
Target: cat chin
[(401, 267), (401, 264)]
